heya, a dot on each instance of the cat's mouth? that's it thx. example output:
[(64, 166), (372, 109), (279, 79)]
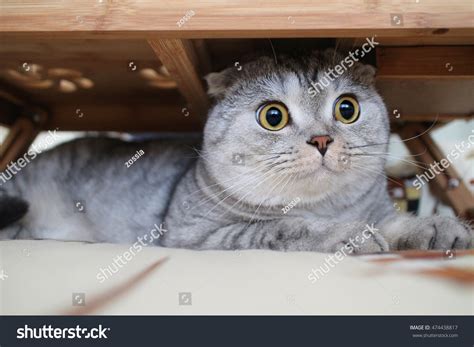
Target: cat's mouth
[(324, 166)]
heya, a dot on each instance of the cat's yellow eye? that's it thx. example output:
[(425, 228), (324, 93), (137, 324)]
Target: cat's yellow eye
[(346, 109), (272, 115)]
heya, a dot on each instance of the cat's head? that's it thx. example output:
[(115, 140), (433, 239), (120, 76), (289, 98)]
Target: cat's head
[(272, 137)]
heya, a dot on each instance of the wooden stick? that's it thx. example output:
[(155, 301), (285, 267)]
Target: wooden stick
[(21, 135), (181, 61), (458, 197)]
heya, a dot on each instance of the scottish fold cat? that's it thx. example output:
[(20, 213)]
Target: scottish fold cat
[(279, 167)]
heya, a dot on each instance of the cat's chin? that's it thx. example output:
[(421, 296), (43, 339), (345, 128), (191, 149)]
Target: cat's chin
[(319, 174), (315, 185)]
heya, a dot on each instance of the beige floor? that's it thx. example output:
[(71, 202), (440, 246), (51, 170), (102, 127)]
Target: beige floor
[(41, 277)]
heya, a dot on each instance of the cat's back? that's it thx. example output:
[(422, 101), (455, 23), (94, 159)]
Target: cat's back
[(93, 157), (130, 180)]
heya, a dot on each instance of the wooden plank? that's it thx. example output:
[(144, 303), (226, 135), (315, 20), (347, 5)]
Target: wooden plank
[(146, 116), (428, 118), (411, 97), (433, 40), (425, 62), (181, 61), (237, 18), (149, 116), (427, 151)]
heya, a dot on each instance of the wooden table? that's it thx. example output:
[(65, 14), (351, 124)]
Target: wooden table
[(138, 65)]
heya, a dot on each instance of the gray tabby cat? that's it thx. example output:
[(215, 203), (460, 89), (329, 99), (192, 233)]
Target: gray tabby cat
[(268, 144)]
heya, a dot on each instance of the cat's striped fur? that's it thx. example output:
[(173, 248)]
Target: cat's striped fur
[(215, 202)]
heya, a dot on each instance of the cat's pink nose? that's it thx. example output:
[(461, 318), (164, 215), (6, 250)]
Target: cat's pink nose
[(321, 142)]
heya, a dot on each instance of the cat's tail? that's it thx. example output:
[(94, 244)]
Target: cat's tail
[(11, 209)]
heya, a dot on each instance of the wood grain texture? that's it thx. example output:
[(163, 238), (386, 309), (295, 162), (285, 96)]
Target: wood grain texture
[(426, 62), (181, 61), (426, 96), (429, 118), (19, 138), (236, 18), (145, 116), (141, 107)]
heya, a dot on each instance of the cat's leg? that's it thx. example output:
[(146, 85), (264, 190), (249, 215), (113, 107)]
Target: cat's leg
[(290, 234), (12, 232), (405, 231)]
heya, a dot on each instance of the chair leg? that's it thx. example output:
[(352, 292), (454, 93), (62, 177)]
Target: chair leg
[(22, 133), (448, 184)]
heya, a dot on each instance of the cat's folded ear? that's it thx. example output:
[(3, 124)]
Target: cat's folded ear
[(364, 74), (219, 82), (360, 72)]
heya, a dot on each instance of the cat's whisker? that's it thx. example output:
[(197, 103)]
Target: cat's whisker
[(258, 207), (230, 179), (291, 179), (243, 197), (249, 155), (368, 145), (365, 174), (416, 163), (424, 132), (401, 156), (264, 169), (369, 169), (271, 174), (209, 198), (266, 159), (369, 174), (261, 167), (266, 198), (273, 153), (239, 185), (382, 173), (398, 158), (212, 159)]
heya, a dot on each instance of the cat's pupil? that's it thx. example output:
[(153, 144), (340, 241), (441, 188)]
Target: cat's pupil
[(274, 116), (347, 109)]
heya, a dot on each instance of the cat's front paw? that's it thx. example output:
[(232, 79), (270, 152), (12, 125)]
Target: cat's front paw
[(361, 241), (436, 233)]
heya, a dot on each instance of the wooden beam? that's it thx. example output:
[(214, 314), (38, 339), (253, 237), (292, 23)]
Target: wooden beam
[(181, 61), (425, 62), (236, 18), (427, 151), (405, 98), (145, 116), (428, 118)]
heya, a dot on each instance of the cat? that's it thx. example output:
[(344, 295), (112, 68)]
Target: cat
[(270, 144)]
